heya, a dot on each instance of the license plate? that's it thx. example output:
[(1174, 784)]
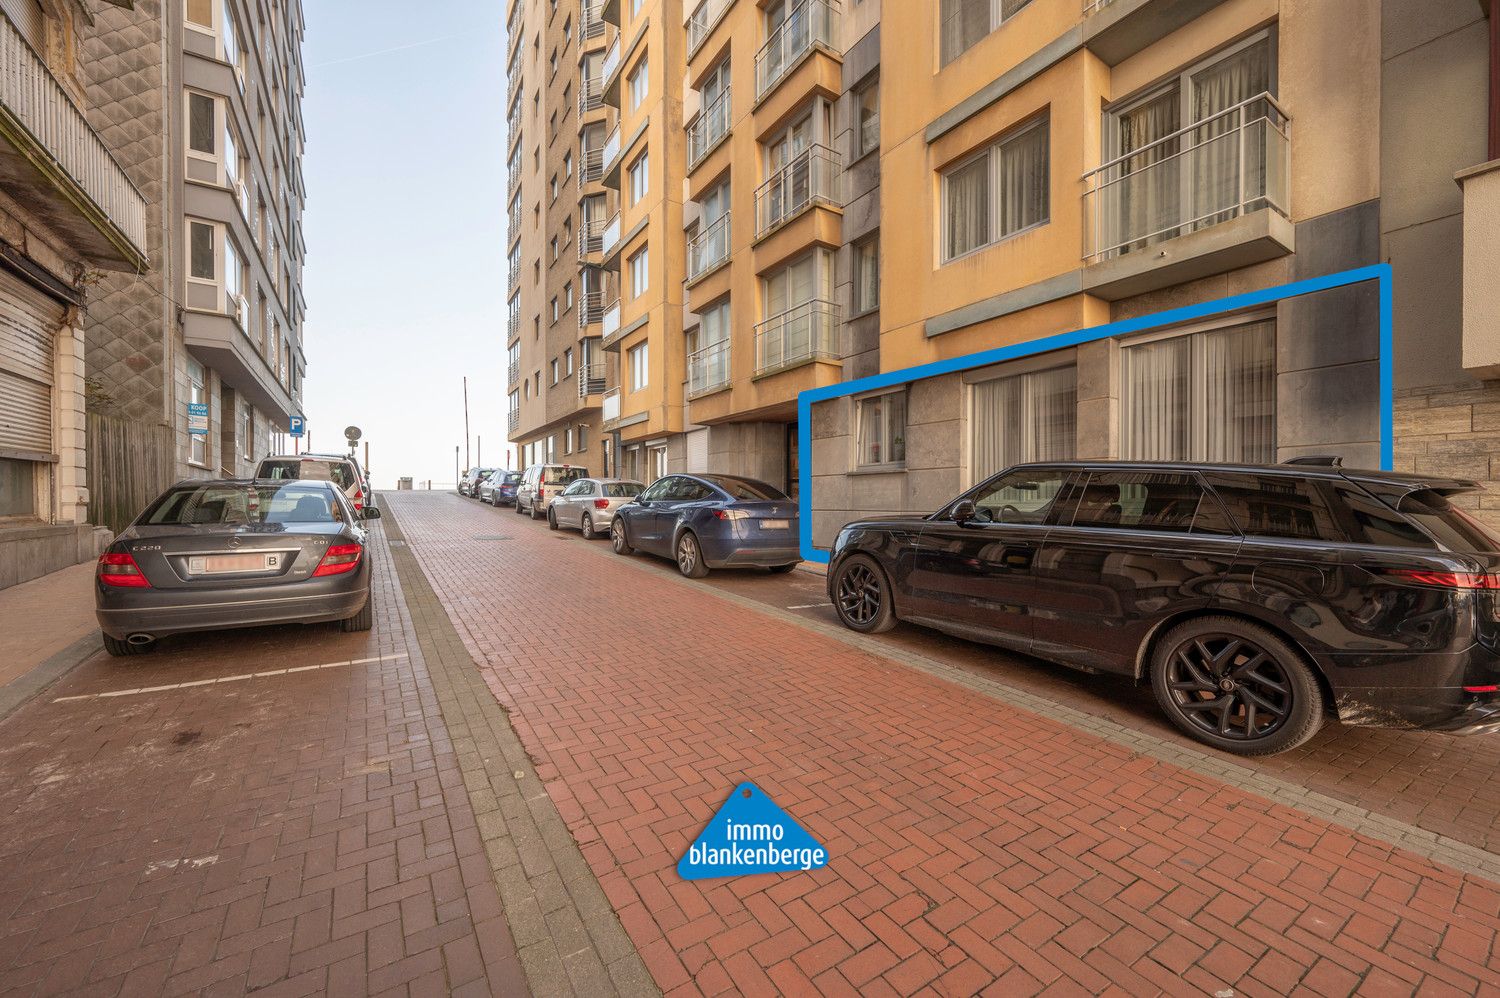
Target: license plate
[(228, 564), (775, 524)]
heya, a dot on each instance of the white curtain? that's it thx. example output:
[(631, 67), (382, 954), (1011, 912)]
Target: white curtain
[(1154, 411), (1145, 196), (1217, 156), (1023, 180), (965, 22), (967, 205), (1028, 417)]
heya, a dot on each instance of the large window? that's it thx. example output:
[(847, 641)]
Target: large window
[(997, 192), (639, 84), (882, 429), (1207, 396), (234, 284), (867, 117), (198, 395), (17, 487), (965, 23), (1025, 417), (640, 178), (640, 272), (639, 358), (867, 275)]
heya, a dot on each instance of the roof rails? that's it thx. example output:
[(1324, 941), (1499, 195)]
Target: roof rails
[(1319, 460)]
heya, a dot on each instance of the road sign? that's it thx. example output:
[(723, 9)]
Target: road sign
[(352, 434), (198, 418), (296, 426)]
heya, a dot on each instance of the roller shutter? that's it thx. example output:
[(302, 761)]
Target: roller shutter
[(28, 324)]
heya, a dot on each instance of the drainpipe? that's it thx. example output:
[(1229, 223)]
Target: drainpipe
[(1494, 79)]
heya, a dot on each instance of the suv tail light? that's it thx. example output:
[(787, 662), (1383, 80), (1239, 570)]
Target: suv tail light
[(359, 500), (122, 571), (338, 559), (601, 504), (1445, 580)]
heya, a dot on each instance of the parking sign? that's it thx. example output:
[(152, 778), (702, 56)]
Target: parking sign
[(294, 426)]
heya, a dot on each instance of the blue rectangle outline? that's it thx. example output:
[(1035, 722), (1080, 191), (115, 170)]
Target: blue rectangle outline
[(1380, 272)]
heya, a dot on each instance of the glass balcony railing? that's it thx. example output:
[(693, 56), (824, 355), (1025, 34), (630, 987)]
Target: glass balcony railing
[(610, 322), (809, 23), (813, 177), (1229, 164), (611, 234), (711, 125), (611, 148), (807, 332), (709, 248), (611, 405), (611, 60), (708, 368), (704, 19)]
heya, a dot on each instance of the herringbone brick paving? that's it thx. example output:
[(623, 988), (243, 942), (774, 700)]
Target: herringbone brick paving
[(975, 847), (296, 834)]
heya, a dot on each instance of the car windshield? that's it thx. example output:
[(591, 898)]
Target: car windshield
[(746, 488), (511, 478), (622, 490), (564, 476), (336, 472), (1452, 527), (244, 504)]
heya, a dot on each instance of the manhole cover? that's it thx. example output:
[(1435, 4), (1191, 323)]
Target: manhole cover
[(398, 544), (492, 537)]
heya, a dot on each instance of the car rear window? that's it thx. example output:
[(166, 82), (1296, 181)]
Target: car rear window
[(747, 489), (511, 478), (563, 476), (244, 504), (336, 472), (1451, 526), (623, 490)]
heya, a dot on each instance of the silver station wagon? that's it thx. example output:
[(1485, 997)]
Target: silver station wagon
[(589, 504)]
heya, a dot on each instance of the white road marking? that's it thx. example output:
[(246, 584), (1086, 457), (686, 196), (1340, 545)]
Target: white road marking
[(229, 679), (808, 606)]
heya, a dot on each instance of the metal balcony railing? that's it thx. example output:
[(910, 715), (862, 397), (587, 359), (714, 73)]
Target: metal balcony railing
[(590, 237), (513, 26), (1095, 6), (590, 94), (515, 221), (590, 308), (809, 331), (590, 165), (708, 368), (515, 277), (30, 92), (1227, 165), (611, 405), (704, 19), (513, 318), (809, 23), (513, 373), (590, 379), (610, 322), (590, 19), (512, 179), (513, 420), (813, 177), (711, 125), (709, 248), (512, 88)]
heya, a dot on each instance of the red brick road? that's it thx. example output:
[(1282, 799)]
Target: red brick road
[(298, 834), (975, 847)]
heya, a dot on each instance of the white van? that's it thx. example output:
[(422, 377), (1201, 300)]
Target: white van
[(541, 483)]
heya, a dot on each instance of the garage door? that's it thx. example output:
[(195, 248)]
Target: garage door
[(28, 324)]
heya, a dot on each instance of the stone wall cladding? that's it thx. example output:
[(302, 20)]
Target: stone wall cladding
[(1453, 430)]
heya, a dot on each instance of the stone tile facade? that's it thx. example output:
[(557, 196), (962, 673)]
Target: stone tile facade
[(1453, 430)]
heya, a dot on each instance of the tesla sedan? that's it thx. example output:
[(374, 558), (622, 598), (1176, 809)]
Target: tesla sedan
[(710, 521), (210, 555)]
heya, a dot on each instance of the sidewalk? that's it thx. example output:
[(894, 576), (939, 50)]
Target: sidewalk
[(46, 627)]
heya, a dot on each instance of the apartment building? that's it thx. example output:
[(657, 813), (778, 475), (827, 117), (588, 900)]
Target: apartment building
[(556, 366), (67, 212), (199, 362)]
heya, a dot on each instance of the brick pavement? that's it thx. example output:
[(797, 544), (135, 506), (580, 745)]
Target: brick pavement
[(43, 617), (975, 846), (293, 834)]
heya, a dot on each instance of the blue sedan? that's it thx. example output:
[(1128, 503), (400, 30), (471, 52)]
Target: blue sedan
[(710, 521)]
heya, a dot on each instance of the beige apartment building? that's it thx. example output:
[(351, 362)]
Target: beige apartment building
[(869, 186), (68, 212), (556, 367)]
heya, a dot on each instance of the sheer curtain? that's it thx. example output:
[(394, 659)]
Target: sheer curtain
[(1154, 410), (1146, 195), (1023, 181), (1217, 156), (1028, 417), (966, 194)]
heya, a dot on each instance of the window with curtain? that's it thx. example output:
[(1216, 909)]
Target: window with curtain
[(998, 192), (867, 275), (882, 429), (964, 23), (1207, 396), (867, 111), (1025, 417)]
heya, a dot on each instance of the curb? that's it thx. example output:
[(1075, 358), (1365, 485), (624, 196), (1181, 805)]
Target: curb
[(17, 692)]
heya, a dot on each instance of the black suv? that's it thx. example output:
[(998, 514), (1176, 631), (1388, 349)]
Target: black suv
[(1253, 598)]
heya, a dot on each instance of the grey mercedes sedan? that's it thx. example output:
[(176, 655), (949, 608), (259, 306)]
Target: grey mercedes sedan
[(210, 555)]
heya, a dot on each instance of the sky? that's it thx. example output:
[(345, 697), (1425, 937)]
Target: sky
[(405, 228)]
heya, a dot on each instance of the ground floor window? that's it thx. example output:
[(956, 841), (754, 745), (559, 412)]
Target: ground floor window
[(1206, 396), (882, 429), (197, 395), (1025, 417), (17, 488)]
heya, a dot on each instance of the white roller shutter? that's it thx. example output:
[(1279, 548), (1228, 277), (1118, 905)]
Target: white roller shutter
[(697, 451), (28, 324)]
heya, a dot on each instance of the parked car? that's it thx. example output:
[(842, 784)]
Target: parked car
[(499, 489), (710, 521), (540, 483), (208, 555), (341, 469), (469, 484), (589, 504), (1250, 597)]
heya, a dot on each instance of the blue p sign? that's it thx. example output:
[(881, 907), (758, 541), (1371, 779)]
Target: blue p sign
[(294, 426)]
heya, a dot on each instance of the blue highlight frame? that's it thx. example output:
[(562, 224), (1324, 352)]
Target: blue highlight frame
[(1380, 272)]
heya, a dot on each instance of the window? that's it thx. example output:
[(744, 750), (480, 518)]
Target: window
[(1019, 497), (640, 178), (639, 84), (997, 193), (1146, 501), (554, 249), (882, 429), (197, 395), (867, 275), (639, 357), (965, 23), (568, 166), (555, 311), (867, 118), (234, 276), (1278, 506), (567, 296), (202, 114), (583, 437), (1208, 396), (635, 7), (1025, 417), (200, 13), (552, 186), (554, 370), (17, 487), (247, 433), (640, 277), (568, 361), (201, 251), (568, 445)]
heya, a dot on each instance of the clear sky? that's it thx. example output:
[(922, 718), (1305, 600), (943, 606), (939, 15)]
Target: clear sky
[(405, 228)]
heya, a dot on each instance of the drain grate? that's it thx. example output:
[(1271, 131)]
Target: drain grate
[(397, 544), (492, 537)]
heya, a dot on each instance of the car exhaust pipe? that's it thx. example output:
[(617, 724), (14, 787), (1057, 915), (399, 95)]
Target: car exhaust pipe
[(140, 639)]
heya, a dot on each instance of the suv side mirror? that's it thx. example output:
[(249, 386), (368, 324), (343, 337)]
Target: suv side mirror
[(963, 511), (372, 512)]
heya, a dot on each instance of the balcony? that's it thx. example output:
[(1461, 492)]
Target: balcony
[(709, 248), (513, 320), (812, 178), (1226, 166), (590, 238), (809, 23), (610, 323), (611, 149), (1115, 30), (590, 20), (80, 189), (590, 379), (590, 166), (703, 21), (808, 332), (515, 222), (515, 277), (512, 420), (512, 179), (590, 94), (611, 235), (611, 406), (708, 369), (513, 373), (590, 309), (611, 61), (708, 129)]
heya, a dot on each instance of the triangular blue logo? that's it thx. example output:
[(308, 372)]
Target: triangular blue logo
[(750, 834)]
